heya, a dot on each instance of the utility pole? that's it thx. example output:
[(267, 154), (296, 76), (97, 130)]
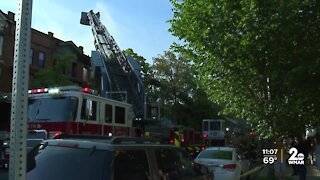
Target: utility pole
[(20, 83)]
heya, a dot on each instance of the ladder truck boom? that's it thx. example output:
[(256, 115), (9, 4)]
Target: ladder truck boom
[(117, 76)]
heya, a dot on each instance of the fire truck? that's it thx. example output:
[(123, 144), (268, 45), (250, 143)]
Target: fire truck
[(187, 138), (76, 110), (214, 131), (68, 110)]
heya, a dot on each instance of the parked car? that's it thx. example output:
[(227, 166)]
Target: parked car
[(34, 137), (223, 162), (118, 158)]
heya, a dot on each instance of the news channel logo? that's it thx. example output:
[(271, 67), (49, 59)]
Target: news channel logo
[(272, 155)]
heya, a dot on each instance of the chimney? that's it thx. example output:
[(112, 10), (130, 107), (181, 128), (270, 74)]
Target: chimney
[(81, 49), (11, 15), (50, 34)]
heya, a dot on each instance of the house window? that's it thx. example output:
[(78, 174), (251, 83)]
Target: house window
[(42, 57), (74, 70), (1, 45), (85, 74), (31, 56)]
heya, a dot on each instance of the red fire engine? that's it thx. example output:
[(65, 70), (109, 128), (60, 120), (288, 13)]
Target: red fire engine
[(75, 110), (187, 138), (69, 110)]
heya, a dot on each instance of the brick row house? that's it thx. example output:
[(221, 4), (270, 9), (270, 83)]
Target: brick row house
[(43, 53)]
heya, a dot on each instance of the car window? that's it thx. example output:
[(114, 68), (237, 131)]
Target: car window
[(64, 163), (216, 154), (174, 164), (205, 125), (36, 135), (131, 164)]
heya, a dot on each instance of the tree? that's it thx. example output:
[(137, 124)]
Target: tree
[(182, 99), (54, 75), (259, 58), (146, 71)]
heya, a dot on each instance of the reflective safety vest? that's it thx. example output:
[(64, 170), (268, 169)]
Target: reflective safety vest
[(190, 148), (195, 148), (147, 134), (176, 138)]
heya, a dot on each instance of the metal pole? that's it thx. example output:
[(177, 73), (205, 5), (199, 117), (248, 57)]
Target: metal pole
[(20, 82)]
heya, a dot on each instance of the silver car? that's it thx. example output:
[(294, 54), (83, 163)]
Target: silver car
[(223, 162)]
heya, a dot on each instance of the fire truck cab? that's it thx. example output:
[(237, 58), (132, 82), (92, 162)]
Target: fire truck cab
[(75, 110)]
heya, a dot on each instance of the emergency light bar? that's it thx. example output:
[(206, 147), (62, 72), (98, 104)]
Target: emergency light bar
[(60, 89), (37, 91), (54, 91)]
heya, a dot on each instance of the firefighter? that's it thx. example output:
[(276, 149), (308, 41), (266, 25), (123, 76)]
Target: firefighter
[(176, 136), (147, 134)]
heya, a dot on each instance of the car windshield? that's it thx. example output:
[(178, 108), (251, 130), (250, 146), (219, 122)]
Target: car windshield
[(65, 163), (36, 135), (52, 109), (216, 154)]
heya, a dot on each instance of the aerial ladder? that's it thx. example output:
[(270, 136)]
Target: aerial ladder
[(119, 75)]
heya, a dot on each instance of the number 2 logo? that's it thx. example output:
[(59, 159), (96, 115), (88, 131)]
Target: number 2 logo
[(294, 155)]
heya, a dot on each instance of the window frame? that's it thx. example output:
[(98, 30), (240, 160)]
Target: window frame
[(105, 113), (205, 128), (42, 62), (86, 116), (116, 118)]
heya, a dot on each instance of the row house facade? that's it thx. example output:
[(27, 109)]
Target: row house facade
[(45, 49)]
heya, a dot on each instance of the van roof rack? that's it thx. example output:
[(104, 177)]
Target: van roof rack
[(81, 136), (134, 140), (113, 139)]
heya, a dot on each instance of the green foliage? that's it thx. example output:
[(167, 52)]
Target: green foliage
[(146, 71), (171, 80), (54, 75), (259, 58), (182, 100)]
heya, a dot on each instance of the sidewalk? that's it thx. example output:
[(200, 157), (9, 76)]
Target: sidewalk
[(312, 173), (267, 173)]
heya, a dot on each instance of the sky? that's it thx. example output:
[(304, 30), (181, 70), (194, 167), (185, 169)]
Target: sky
[(138, 24)]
